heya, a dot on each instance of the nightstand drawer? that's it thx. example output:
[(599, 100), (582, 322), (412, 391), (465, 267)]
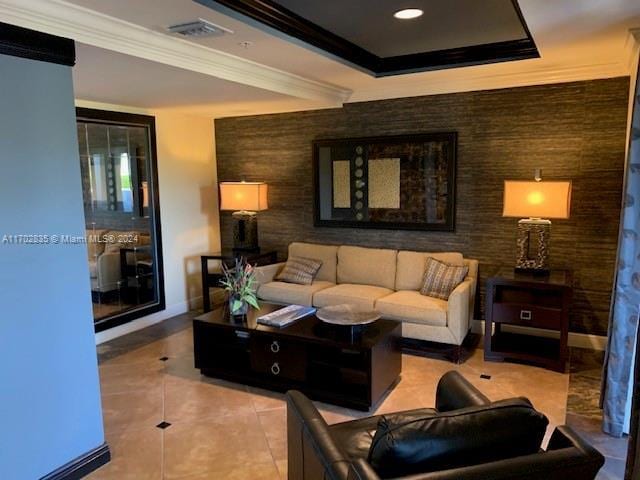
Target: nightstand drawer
[(527, 315)]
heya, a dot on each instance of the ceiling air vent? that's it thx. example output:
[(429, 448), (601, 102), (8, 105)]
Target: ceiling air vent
[(199, 28)]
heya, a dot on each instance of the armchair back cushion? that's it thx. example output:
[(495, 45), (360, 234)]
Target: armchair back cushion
[(411, 267), (367, 266), (327, 254), (405, 445)]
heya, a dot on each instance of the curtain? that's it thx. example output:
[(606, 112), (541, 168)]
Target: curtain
[(623, 326)]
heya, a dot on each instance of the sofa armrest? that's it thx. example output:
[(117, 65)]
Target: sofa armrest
[(266, 273), (454, 392), (458, 306), (108, 273)]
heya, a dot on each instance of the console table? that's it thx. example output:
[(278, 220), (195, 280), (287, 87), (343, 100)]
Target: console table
[(323, 361), (228, 257), (527, 300)]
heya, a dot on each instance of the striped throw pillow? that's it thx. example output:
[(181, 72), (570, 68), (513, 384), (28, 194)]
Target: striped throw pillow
[(299, 270), (440, 279)]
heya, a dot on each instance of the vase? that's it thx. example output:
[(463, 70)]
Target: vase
[(237, 306)]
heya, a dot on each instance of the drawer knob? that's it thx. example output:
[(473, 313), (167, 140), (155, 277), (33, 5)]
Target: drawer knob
[(525, 315), (241, 334), (275, 369), (275, 346)]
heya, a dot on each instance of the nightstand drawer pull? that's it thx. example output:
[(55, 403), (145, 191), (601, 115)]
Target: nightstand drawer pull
[(275, 369), (241, 334), (275, 346), (525, 315)]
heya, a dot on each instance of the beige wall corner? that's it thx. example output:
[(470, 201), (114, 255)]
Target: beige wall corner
[(188, 201)]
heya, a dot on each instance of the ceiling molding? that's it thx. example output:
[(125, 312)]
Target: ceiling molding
[(60, 18), (471, 82)]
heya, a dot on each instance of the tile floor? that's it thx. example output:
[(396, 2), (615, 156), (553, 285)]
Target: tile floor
[(224, 430)]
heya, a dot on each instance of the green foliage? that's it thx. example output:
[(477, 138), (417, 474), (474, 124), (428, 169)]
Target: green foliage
[(240, 282)]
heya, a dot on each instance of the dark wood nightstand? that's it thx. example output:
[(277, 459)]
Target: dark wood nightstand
[(516, 300)]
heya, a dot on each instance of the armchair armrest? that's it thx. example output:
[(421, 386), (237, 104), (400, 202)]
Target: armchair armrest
[(565, 437), (454, 392), (568, 457), (267, 273), (361, 470), (458, 309)]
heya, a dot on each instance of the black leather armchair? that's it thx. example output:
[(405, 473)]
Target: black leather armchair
[(318, 451)]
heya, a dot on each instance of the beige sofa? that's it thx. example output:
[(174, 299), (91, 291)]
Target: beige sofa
[(104, 256), (387, 280)]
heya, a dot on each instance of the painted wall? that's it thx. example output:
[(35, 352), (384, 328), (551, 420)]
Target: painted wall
[(572, 130), (50, 408), (188, 207)]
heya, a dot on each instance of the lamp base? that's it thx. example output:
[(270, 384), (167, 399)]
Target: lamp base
[(245, 231), (533, 240)]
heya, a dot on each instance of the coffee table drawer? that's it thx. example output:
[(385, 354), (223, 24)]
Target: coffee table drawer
[(278, 357)]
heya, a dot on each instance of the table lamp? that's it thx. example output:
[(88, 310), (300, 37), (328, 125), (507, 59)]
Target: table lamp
[(245, 199), (538, 201)]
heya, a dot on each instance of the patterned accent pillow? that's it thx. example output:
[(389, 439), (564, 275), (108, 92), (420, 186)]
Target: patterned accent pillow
[(440, 279), (299, 270)]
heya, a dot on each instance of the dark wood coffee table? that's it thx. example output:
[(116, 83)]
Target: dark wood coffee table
[(327, 362)]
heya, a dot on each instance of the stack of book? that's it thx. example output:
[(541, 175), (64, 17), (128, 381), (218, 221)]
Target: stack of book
[(285, 316)]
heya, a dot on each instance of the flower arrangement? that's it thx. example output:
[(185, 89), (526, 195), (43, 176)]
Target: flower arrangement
[(240, 282)]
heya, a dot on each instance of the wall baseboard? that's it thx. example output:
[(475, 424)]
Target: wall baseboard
[(82, 466), (578, 340), (140, 323)]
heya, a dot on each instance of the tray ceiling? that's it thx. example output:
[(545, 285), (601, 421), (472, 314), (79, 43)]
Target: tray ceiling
[(365, 33)]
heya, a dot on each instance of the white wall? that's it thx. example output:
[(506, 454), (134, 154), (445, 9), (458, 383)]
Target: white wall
[(188, 207)]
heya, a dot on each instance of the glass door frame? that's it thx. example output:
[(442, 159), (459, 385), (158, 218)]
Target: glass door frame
[(106, 117)]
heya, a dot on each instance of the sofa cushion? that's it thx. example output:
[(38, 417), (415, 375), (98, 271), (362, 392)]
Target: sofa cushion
[(364, 296), (411, 267), (119, 239), (95, 242), (367, 266), (299, 270), (404, 446), (327, 254), (411, 306), (440, 279), (291, 293)]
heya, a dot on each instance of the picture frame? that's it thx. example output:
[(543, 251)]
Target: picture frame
[(402, 182)]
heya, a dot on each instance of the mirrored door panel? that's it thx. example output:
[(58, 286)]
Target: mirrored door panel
[(120, 194)]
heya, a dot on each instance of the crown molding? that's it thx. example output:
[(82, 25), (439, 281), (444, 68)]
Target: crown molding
[(61, 18), (475, 82)]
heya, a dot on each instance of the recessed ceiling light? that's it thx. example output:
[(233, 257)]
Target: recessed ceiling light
[(408, 13)]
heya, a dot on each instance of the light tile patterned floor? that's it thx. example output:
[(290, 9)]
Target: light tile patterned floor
[(224, 430)]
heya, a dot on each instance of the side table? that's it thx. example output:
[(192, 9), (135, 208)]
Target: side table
[(228, 257), (525, 300)]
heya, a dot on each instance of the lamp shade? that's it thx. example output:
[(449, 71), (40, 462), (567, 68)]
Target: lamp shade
[(536, 199), (249, 196)]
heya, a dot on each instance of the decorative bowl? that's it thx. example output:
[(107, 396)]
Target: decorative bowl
[(347, 315)]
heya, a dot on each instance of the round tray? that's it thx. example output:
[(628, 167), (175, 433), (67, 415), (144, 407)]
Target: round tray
[(347, 315)]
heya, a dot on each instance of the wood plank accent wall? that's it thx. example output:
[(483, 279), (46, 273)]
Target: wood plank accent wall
[(572, 131)]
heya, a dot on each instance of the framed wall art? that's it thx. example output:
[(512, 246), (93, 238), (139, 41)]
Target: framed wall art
[(396, 182)]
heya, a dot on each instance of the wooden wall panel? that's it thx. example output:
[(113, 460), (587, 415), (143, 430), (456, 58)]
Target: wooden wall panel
[(572, 131)]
